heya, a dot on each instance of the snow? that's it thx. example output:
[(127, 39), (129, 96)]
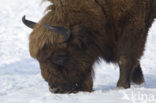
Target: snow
[(20, 78)]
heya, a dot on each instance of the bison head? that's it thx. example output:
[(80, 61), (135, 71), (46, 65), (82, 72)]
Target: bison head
[(65, 65)]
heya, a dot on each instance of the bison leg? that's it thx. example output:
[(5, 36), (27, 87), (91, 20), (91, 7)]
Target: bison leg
[(137, 75), (126, 66), (87, 84)]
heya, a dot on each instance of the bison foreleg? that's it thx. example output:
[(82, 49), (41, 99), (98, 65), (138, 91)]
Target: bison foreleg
[(126, 66), (87, 84)]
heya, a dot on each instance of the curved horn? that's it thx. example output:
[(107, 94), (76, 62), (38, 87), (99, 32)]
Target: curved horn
[(59, 30), (28, 23)]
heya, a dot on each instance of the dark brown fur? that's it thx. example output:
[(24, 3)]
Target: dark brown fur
[(113, 29)]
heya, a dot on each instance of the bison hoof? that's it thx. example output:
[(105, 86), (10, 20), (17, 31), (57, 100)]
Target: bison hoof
[(138, 81), (137, 77), (123, 85)]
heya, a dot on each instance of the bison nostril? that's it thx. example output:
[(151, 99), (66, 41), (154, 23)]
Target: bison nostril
[(53, 90)]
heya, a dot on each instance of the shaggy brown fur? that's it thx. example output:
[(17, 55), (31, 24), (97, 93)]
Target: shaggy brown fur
[(113, 29)]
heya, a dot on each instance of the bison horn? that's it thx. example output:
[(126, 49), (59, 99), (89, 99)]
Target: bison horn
[(59, 30), (28, 23)]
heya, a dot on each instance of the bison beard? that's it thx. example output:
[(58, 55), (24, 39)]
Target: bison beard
[(75, 33)]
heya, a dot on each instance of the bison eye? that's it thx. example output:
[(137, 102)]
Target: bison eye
[(59, 57)]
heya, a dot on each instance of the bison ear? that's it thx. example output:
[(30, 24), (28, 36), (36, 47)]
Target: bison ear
[(59, 58)]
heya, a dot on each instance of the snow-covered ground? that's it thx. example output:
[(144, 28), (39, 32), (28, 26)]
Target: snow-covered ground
[(20, 79)]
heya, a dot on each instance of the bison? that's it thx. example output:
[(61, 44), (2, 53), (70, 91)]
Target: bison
[(73, 34)]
